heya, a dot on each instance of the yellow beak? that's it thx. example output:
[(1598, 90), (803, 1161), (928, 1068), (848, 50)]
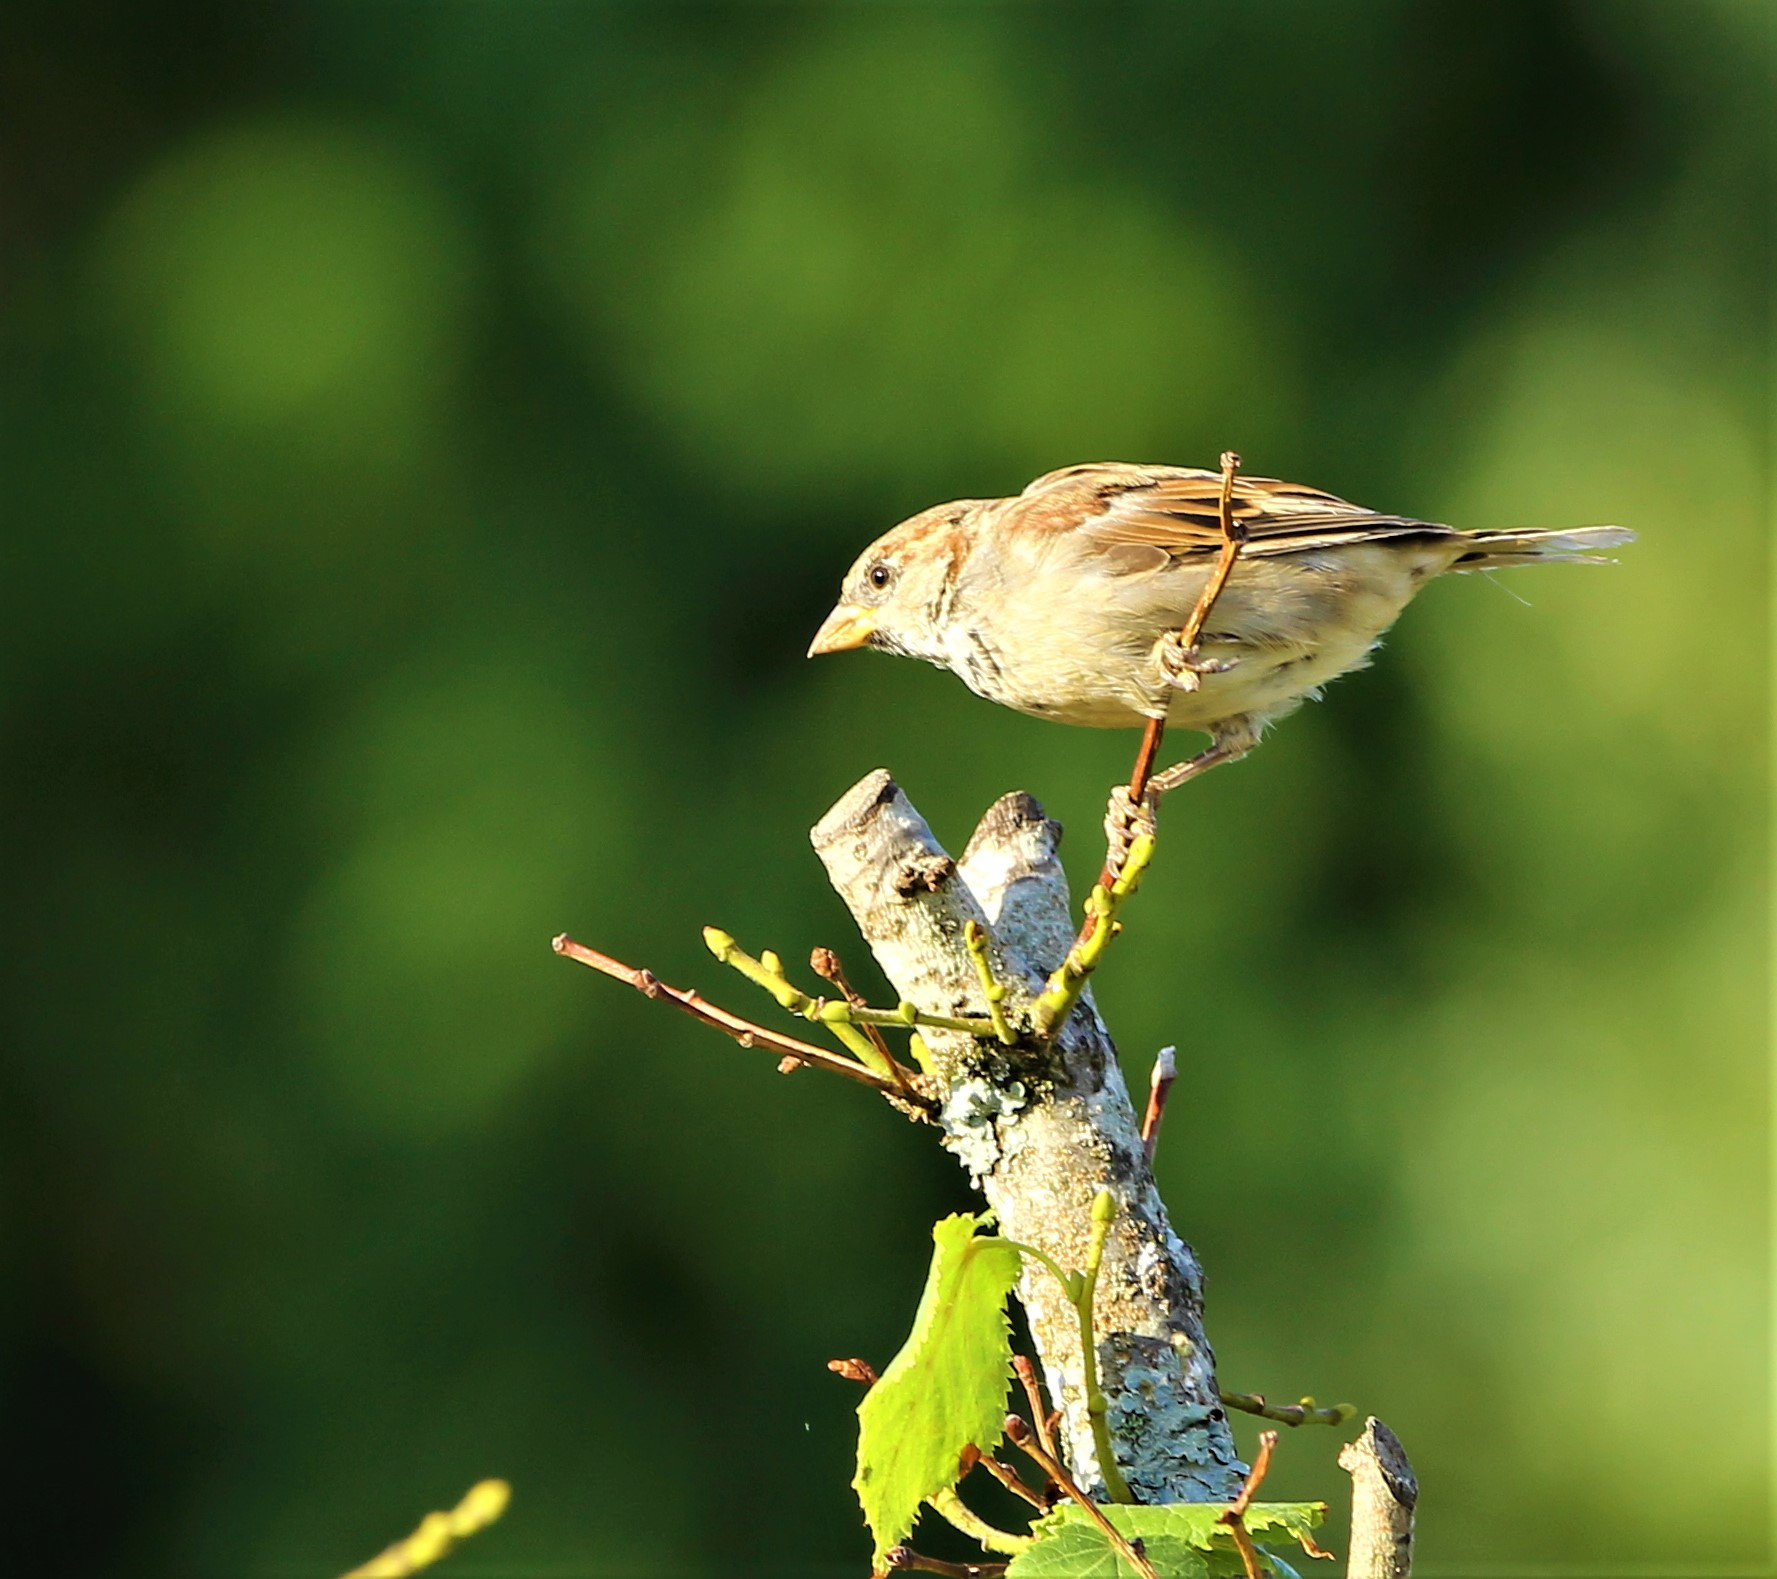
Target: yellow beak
[(846, 627)]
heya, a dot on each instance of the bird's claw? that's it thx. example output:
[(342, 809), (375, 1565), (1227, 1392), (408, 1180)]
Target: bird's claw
[(1183, 667), (1124, 823)]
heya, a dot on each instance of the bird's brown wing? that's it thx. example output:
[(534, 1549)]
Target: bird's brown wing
[(1142, 517)]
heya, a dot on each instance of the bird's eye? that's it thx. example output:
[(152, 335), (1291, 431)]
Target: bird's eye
[(879, 576)]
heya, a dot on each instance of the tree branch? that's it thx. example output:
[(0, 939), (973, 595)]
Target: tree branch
[(1042, 1126), (1304, 1413), (1384, 1494)]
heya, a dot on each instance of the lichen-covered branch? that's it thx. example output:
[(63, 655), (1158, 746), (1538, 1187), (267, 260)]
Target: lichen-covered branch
[(1042, 1126)]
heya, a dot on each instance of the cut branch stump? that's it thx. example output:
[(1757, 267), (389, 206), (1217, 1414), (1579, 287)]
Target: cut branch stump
[(1384, 1493), (1042, 1127)]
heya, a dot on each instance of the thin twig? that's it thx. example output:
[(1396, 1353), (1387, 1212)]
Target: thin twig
[(1064, 986), (1144, 759), (1104, 1213), (905, 1015), (1014, 1483), (1051, 1466), (439, 1533), (975, 941), (907, 1557), (767, 971), (1159, 1088), (1307, 1412), (950, 1507), (743, 1031), (1044, 1417), (1243, 1542), (837, 1014), (824, 962), (1235, 1517), (1233, 540), (1255, 1476), (1138, 786)]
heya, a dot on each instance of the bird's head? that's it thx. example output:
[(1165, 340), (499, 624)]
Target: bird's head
[(897, 595)]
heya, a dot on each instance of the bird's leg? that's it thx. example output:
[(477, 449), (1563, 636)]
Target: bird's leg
[(1181, 660), (1234, 738), (1127, 817)]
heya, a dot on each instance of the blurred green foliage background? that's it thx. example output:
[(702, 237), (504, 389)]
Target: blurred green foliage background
[(431, 433)]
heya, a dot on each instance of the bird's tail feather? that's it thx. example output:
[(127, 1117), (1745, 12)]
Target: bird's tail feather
[(1528, 545)]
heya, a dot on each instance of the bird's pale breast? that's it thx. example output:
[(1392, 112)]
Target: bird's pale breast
[(1082, 647)]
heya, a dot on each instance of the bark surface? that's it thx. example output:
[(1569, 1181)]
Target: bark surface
[(1042, 1129)]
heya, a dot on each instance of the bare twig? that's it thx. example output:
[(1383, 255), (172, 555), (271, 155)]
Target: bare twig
[(1144, 761), (767, 971), (825, 964), (1014, 1483), (1233, 539), (743, 1031), (1307, 1412), (1235, 1517), (1159, 1088), (1255, 1477), (1130, 1551), (1040, 1413), (1249, 1554), (839, 1015)]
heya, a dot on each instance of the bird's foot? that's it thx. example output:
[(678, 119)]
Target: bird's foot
[(1124, 823), (1183, 667)]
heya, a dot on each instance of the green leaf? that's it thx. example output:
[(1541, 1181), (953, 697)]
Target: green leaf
[(1079, 1551), (1183, 1540), (946, 1389)]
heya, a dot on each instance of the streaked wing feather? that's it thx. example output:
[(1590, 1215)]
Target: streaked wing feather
[(1181, 515)]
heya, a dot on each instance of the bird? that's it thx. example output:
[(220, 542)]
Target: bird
[(1075, 599)]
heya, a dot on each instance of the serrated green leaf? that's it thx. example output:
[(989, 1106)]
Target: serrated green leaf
[(946, 1389), (1183, 1540), (1080, 1551)]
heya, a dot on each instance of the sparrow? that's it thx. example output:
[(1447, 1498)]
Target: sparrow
[(1066, 601)]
